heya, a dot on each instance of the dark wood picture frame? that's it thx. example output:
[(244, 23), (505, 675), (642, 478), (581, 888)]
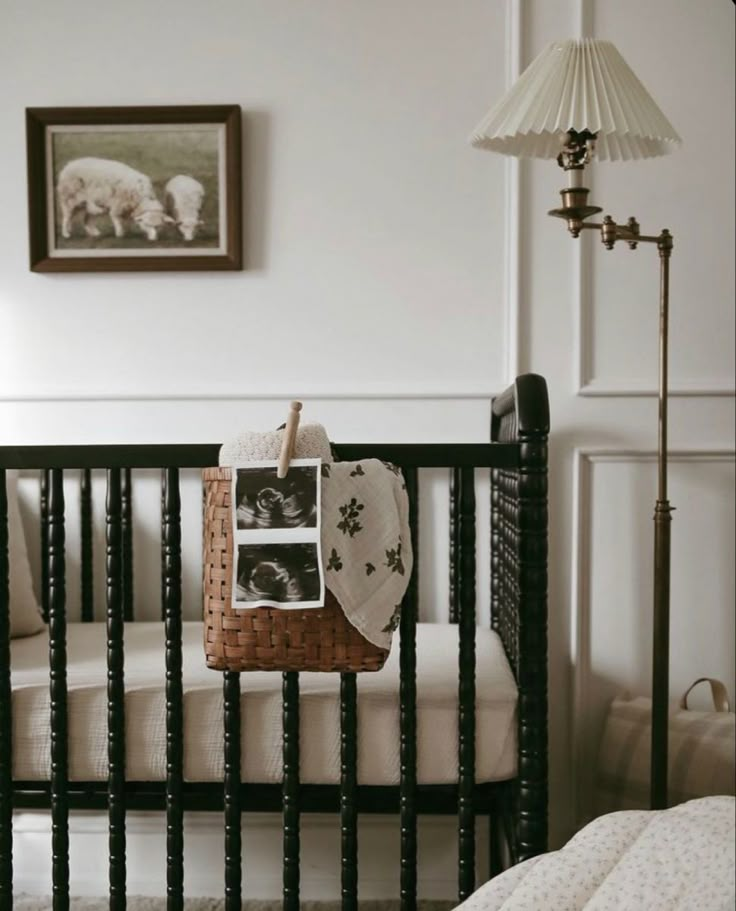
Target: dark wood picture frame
[(45, 259)]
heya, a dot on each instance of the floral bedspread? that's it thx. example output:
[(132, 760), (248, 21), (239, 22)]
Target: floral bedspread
[(681, 859)]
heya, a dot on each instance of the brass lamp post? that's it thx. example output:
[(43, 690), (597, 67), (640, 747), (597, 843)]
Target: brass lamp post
[(577, 100)]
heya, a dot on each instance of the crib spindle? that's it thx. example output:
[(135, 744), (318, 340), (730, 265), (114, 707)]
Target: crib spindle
[(85, 529), (56, 599), (115, 693), (348, 790), (495, 838), (171, 540), (465, 481), (126, 534), (496, 562), (290, 790), (408, 711), (163, 549), (43, 511), (454, 546), (231, 790), (6, 720)]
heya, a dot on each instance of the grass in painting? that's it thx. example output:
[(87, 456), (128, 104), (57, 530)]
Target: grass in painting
[(159, 154)]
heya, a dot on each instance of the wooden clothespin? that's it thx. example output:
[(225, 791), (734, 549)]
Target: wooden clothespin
[(288, 445)]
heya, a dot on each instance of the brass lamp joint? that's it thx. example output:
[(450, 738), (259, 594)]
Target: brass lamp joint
[(665, 244), (578, 149)]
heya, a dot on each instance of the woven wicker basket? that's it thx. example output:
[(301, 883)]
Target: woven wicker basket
[(264, 638)]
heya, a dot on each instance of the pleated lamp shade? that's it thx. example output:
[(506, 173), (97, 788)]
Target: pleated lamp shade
[(577, 85)]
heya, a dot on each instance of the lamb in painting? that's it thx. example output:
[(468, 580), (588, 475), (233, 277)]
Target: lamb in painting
[(184, 197), (99, 186)]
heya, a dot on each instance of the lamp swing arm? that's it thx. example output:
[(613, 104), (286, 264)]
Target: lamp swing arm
[(611, 232)]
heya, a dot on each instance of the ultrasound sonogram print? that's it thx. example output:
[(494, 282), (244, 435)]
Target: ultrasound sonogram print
[(276, 528), (266, 501), (278, 573)]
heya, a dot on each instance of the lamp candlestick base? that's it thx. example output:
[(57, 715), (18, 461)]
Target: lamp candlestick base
[(575, 209)]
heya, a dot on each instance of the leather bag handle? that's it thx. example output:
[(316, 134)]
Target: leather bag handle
[(718, 692)]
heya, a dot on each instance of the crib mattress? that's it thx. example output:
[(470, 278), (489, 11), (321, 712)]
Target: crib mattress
[(145, 711)]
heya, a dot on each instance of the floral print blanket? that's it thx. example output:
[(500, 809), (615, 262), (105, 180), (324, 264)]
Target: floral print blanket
[(681, 859), (366, 543)]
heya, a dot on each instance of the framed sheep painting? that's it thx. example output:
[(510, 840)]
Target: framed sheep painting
[(134, 188)]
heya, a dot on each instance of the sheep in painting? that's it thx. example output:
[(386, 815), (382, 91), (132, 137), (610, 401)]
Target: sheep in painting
[(184, 197), (100, 185)]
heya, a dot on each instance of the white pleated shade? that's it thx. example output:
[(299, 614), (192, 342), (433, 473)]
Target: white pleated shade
[(578, 85)]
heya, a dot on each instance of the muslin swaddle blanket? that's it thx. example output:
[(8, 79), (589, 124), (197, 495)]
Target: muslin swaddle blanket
[(366, 542)]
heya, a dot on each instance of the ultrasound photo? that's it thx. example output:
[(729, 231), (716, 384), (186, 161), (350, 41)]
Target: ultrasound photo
[(278, 573), (276, 530), (266, 501)]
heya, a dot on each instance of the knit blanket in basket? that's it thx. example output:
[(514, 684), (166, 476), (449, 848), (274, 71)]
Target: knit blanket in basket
[(365, 537)]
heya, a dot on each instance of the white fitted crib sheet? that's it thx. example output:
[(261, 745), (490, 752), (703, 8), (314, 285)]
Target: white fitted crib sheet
[(145, 711)]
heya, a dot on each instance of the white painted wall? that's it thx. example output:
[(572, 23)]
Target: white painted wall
[(393, 264), (374, 239)]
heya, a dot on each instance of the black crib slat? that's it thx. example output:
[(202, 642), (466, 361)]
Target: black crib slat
[(126, 535), (465, 479), (231, 790), (496, 562), (163, 548), (115, 693), (6, 720), (408, 711), (85, 528), (43, 506), (171, 538), (348, 790), (454, 545), (56, 595), (290, 788), (115, 690)]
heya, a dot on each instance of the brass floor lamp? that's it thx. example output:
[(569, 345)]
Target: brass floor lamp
[(576, 100)]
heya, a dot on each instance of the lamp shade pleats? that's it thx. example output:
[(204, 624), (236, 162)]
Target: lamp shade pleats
[(577, 85)]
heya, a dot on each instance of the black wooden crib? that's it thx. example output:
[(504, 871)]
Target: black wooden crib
[(516, 809)]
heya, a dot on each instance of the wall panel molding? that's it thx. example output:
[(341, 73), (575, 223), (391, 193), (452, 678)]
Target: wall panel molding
[(513, 197), (586, 383), (592, 387), (583, 751), (319, 393)]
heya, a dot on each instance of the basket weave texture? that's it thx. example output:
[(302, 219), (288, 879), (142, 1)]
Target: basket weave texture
[(264, 638)]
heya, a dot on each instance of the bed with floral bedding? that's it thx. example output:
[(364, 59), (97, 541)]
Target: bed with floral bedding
[(681, 859)]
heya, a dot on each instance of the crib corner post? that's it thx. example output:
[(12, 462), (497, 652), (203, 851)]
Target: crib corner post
[(465, 484), (532, 427)]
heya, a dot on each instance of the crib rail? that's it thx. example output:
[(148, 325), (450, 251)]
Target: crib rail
[(517, 460)]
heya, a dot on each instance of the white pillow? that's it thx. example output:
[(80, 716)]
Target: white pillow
[(25, 616)]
